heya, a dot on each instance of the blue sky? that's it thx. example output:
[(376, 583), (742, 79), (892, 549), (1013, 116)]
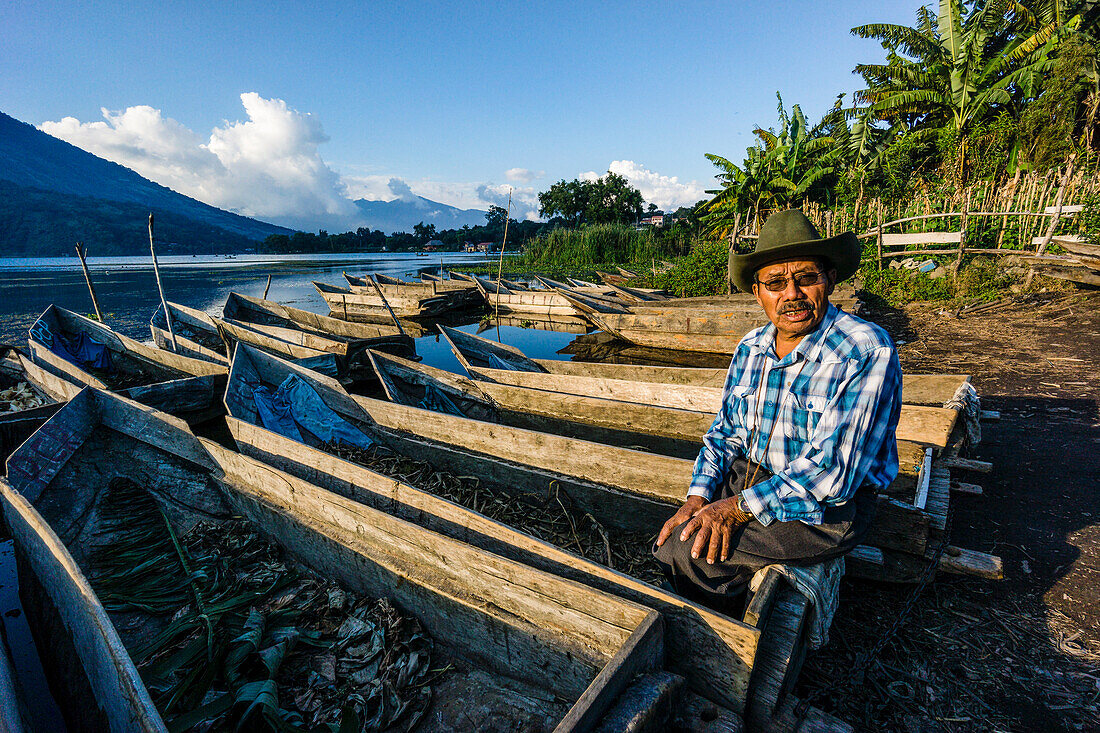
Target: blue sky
[(448, 97)]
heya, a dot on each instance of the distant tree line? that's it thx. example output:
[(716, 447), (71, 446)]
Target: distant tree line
[(566, 205)]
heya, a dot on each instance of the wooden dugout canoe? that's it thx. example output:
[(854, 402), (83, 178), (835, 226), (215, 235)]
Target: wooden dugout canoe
[(459, 294), (196, 334), (922, 425), (348, 304), (173, 383), (259, 312), (536, 629), (544, 303), (713, 330), (479, 354), (655, 429), (203, 331), (714, 652), (17, 424), (669, 432)]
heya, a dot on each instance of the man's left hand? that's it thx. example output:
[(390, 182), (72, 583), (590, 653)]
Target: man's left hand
[(715, 524)]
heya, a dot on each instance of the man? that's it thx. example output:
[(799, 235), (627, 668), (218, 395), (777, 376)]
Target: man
[(805, 435)]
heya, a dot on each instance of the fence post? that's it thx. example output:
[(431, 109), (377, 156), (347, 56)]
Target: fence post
[(733, 250), (962, 232), (878, 240), (1053, 220)]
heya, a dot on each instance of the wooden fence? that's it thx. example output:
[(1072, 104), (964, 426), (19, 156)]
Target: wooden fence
[(981, 219)]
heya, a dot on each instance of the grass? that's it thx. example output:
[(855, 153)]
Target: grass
[(590, 245)]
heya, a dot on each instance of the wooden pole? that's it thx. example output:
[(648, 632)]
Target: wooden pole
[(160, 287), (81, 252), (962, 233), (500, 267), (878, 239), (386, 303), (266, 287), (1054, 219), (733, 251)]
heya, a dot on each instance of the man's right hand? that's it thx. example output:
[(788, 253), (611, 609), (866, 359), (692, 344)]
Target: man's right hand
[(690, 508)]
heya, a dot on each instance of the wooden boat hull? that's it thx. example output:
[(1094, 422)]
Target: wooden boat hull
[(174, 383), (196, 335), (479, 354), (536, 628), (654, 429), (671, 432), (348, 304), (17, 425), (715, 652), (256, 311), (462, 294), (558, 324)]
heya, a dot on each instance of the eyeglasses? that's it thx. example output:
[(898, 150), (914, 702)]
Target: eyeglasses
[(802, 280)]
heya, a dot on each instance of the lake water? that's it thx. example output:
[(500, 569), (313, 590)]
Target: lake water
[(127, 291)]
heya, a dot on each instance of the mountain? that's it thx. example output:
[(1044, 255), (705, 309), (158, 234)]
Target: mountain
[(53, 194), (402, 214), (399, 215)]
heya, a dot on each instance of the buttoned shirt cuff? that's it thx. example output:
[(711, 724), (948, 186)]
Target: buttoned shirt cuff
[(703, 485)]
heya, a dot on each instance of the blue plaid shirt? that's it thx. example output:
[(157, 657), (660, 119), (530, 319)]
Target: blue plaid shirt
[(834, 403)]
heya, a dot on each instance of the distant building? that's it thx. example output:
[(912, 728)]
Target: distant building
[(653, 220)]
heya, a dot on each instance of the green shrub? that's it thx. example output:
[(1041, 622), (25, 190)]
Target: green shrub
[(898, 287), (590, 245), (1089, 218), (701, 272)]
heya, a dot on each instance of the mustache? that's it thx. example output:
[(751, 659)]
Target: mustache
[(795, 305)]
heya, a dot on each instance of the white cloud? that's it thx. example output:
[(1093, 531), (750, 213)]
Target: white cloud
[(523, 175), (463, 195), (268, 166), (665, 191)]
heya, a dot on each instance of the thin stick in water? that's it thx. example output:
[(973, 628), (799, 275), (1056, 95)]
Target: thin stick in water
[(81, 252), (386, 303), (500, 267), (160, 288)]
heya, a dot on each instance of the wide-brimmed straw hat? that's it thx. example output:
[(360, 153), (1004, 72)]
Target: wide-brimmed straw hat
[(789, 235)]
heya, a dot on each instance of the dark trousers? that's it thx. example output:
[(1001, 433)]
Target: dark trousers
[(754, 546)]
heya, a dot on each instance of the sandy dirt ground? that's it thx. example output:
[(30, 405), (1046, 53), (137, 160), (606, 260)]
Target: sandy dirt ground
[(1021, 654)]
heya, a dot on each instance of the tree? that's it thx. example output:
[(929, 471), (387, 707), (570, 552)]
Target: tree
[(496, 216), (424, 232), (612, 200), (609, 199), (565, 199), (783, 167), (957, 67)]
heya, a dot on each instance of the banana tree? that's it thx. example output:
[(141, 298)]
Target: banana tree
[(781, 168), (957, 67)]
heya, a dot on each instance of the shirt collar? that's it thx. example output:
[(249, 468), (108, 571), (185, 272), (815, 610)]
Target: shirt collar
[(808, 348)]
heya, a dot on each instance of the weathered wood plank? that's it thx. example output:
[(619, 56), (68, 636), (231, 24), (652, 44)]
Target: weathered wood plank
[(641, 652), (657, 477), (646, 706), (969, 562), (711, 650), (120, 696), (967, 464), (897, 240)]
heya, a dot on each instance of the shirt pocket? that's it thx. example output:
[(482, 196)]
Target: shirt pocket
[(741, 397), (806, 411)]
